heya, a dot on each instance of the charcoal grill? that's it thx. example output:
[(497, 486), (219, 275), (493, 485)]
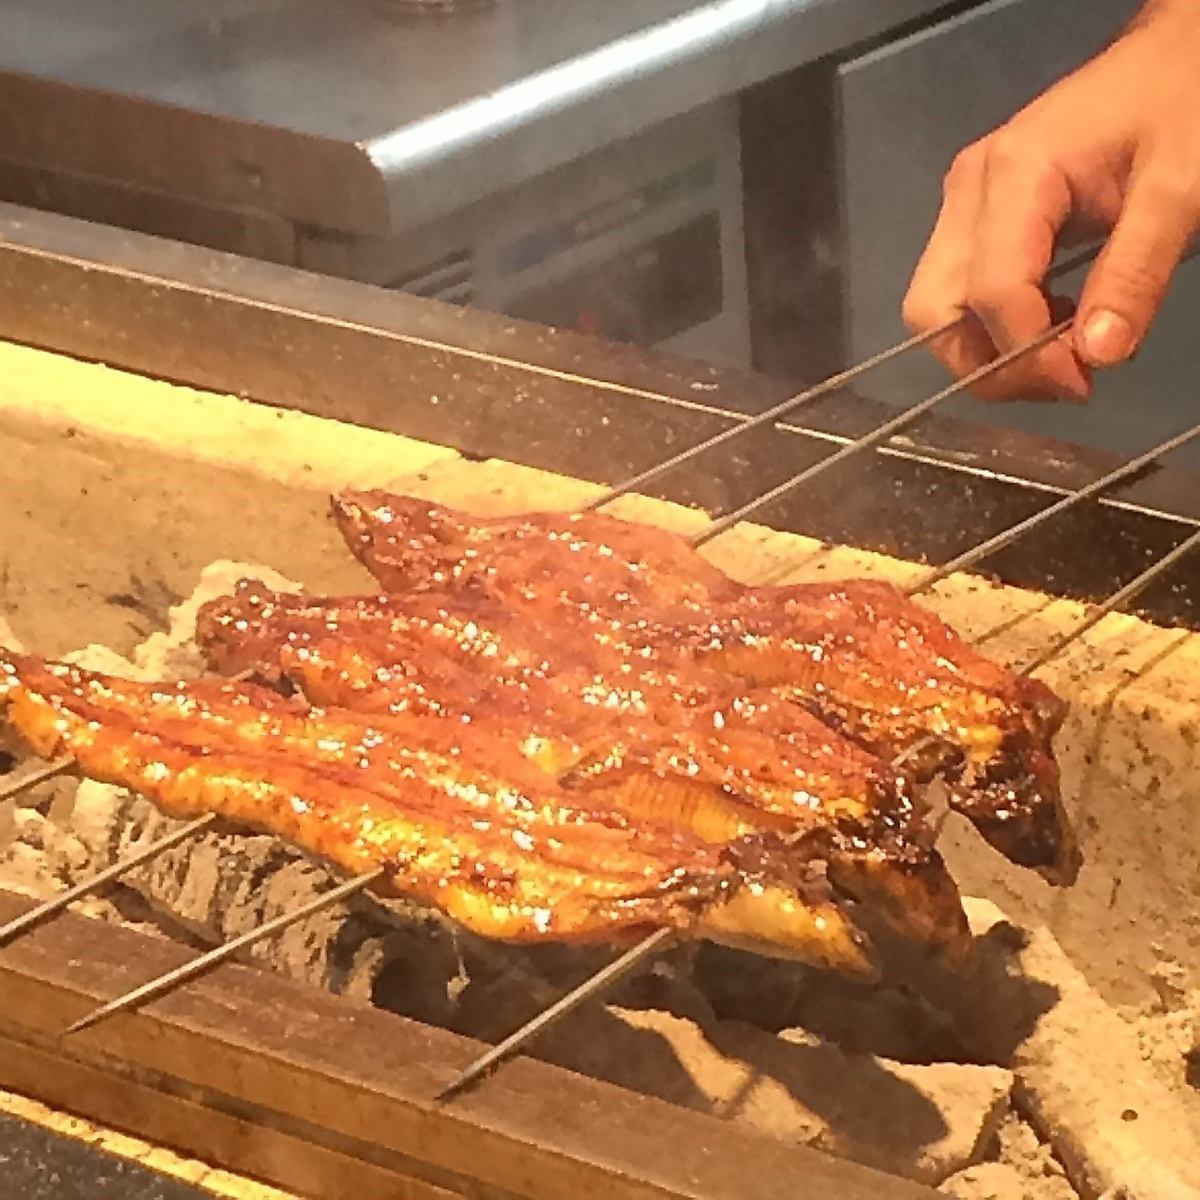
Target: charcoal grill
[(338, 1098)]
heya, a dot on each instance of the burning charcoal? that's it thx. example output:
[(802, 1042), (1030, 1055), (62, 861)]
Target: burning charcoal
[(1191, 1067)]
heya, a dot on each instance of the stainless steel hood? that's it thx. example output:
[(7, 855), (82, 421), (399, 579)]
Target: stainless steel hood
[(364, 117)]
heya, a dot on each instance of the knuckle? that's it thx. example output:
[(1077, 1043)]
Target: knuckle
[(1135, 279), (915, 311), (986, 294), (1006, 150), (929, 304), (966, 166)]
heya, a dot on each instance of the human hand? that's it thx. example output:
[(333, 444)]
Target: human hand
[(1113, 150)]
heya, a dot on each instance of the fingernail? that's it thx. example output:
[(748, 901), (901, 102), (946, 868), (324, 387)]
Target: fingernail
[(1107, 338)]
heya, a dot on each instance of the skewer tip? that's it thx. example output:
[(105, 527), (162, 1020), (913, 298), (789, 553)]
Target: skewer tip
[(464, 1080), (87, 1021), (594, 985)]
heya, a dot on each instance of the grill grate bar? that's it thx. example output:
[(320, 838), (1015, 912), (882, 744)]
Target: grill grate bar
[(1122, 474)]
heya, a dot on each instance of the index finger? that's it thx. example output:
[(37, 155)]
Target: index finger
[(1026, 203), (937, 295)]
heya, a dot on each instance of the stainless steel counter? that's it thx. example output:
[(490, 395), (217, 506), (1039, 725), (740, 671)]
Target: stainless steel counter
[(359, 115)]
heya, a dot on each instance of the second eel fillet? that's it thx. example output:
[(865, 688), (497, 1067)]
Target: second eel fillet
[(693, 749), (508, 855), (858, 654)]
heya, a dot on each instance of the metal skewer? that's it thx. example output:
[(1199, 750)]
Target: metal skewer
[(816, 392), (1006, 537), (881, 433), (601, 981), (155, 987), (782, 409), (28, 779), (94, 882), (1118, 599)]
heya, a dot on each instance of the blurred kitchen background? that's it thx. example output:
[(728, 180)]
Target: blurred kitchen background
[(746, 183)]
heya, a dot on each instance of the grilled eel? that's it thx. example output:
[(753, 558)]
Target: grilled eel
[(693, 749), (859, 654), (503, 851)]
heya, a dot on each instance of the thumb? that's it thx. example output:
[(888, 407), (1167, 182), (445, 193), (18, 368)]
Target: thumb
[(1127, 285)]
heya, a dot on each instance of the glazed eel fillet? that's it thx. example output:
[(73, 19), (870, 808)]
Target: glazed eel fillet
[(692, 749), (452, 818), (859, 655)]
